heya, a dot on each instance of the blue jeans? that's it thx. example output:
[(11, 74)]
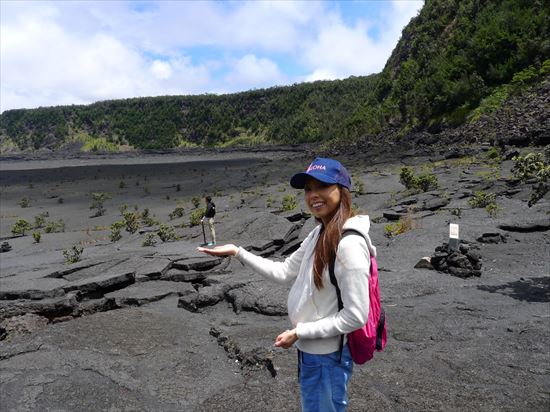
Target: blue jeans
[(324, 381)]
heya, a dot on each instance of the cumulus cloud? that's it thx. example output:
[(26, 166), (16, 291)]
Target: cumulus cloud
[(43, 64), (254, 72), (340, 50), (55, 53)]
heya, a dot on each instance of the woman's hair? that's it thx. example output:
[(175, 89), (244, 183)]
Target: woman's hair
[(325, 250)]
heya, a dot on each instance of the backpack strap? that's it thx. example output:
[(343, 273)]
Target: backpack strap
[(335, 283)]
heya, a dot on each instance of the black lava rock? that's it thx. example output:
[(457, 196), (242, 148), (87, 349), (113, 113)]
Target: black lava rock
[(463, 262)]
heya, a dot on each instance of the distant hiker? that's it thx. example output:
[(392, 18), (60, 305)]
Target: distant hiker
[(209, 214), (317, 323)]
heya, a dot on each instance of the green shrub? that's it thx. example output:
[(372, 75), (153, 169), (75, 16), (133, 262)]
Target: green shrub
[(532, 165), (116, 227), (20, 227), (177, 212), (289, 203), (146, 219), (196, 216), (493, 154), (36, 236), (149, 240), (24, 202), (98, 199), (131, 221), (359, 188), (403, 225), (121, 185), (426, 181), (122, 209), (406, 177), (196, 201), (55, 227), (167, 233), (40, 220), (492, 209), (73, 254), (482, 199), (423, 182)]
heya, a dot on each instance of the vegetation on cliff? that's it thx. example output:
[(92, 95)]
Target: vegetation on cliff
[(456, 60)]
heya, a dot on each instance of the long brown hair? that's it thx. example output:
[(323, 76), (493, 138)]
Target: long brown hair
[(325, 250)]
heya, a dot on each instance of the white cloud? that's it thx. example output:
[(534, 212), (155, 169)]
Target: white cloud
[(42, 64), (254, 72), (161, 69), (56, 53), (340, 51)]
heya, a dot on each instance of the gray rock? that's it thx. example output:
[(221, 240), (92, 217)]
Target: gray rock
[(141, 293), (424, 263)]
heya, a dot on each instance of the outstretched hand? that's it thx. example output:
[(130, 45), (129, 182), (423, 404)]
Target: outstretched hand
[(286, 339), (225, 250)]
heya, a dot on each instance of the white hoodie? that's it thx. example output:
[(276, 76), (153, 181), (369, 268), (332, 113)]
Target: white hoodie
[(313, 312)]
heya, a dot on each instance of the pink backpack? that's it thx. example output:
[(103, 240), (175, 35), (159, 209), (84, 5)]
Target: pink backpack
[(372, 336)]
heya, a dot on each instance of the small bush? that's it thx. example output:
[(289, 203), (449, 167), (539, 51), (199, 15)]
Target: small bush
[(98, 199), (167, 233), (178, 188), (482, 199), (406, 177), (40, 220), (403, 225), (149, 240), (55, 227), (359, 188), (116, 227), (492, 209), (131, 221), (289, 202), (493, 154), (532, 165), (177, 212), (146, 218), (423, 182), (20, 227), (426, 181), (36, 236), (121, 185), (122, 209), (73, 254), (196, 201), (196, 216), (24, 202), (60, 200)]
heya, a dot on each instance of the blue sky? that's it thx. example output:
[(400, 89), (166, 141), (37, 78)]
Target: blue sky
[(78, 52)]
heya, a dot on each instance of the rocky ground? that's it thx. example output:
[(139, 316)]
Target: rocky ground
[(163, 328)]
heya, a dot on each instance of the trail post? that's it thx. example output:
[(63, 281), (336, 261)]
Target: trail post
[(453, 236)]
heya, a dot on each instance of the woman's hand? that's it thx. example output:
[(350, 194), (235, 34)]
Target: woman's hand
[(286, 339), (225, 250)]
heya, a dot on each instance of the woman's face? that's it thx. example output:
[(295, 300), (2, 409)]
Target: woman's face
[(322, 199)]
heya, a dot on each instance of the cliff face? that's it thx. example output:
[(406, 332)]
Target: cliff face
[(456, 62)]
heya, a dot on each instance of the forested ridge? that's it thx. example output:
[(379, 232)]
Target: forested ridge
[(455, 61)]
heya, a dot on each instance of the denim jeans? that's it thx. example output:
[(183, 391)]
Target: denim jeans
[(324, 381)]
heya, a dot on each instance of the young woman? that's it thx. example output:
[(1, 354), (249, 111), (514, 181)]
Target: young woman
[(317, 325)]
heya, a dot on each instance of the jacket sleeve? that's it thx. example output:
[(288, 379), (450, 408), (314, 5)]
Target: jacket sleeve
[(280, 272), (352, 271)]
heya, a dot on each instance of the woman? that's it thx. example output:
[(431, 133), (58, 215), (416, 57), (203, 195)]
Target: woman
[(317, 325)]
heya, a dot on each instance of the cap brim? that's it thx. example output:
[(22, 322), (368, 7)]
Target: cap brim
[(298, 181)]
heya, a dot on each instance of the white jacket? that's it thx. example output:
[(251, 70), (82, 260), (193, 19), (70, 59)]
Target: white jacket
[(313, 312)]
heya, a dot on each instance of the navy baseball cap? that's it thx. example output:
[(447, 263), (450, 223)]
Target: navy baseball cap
[(325, 170)]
